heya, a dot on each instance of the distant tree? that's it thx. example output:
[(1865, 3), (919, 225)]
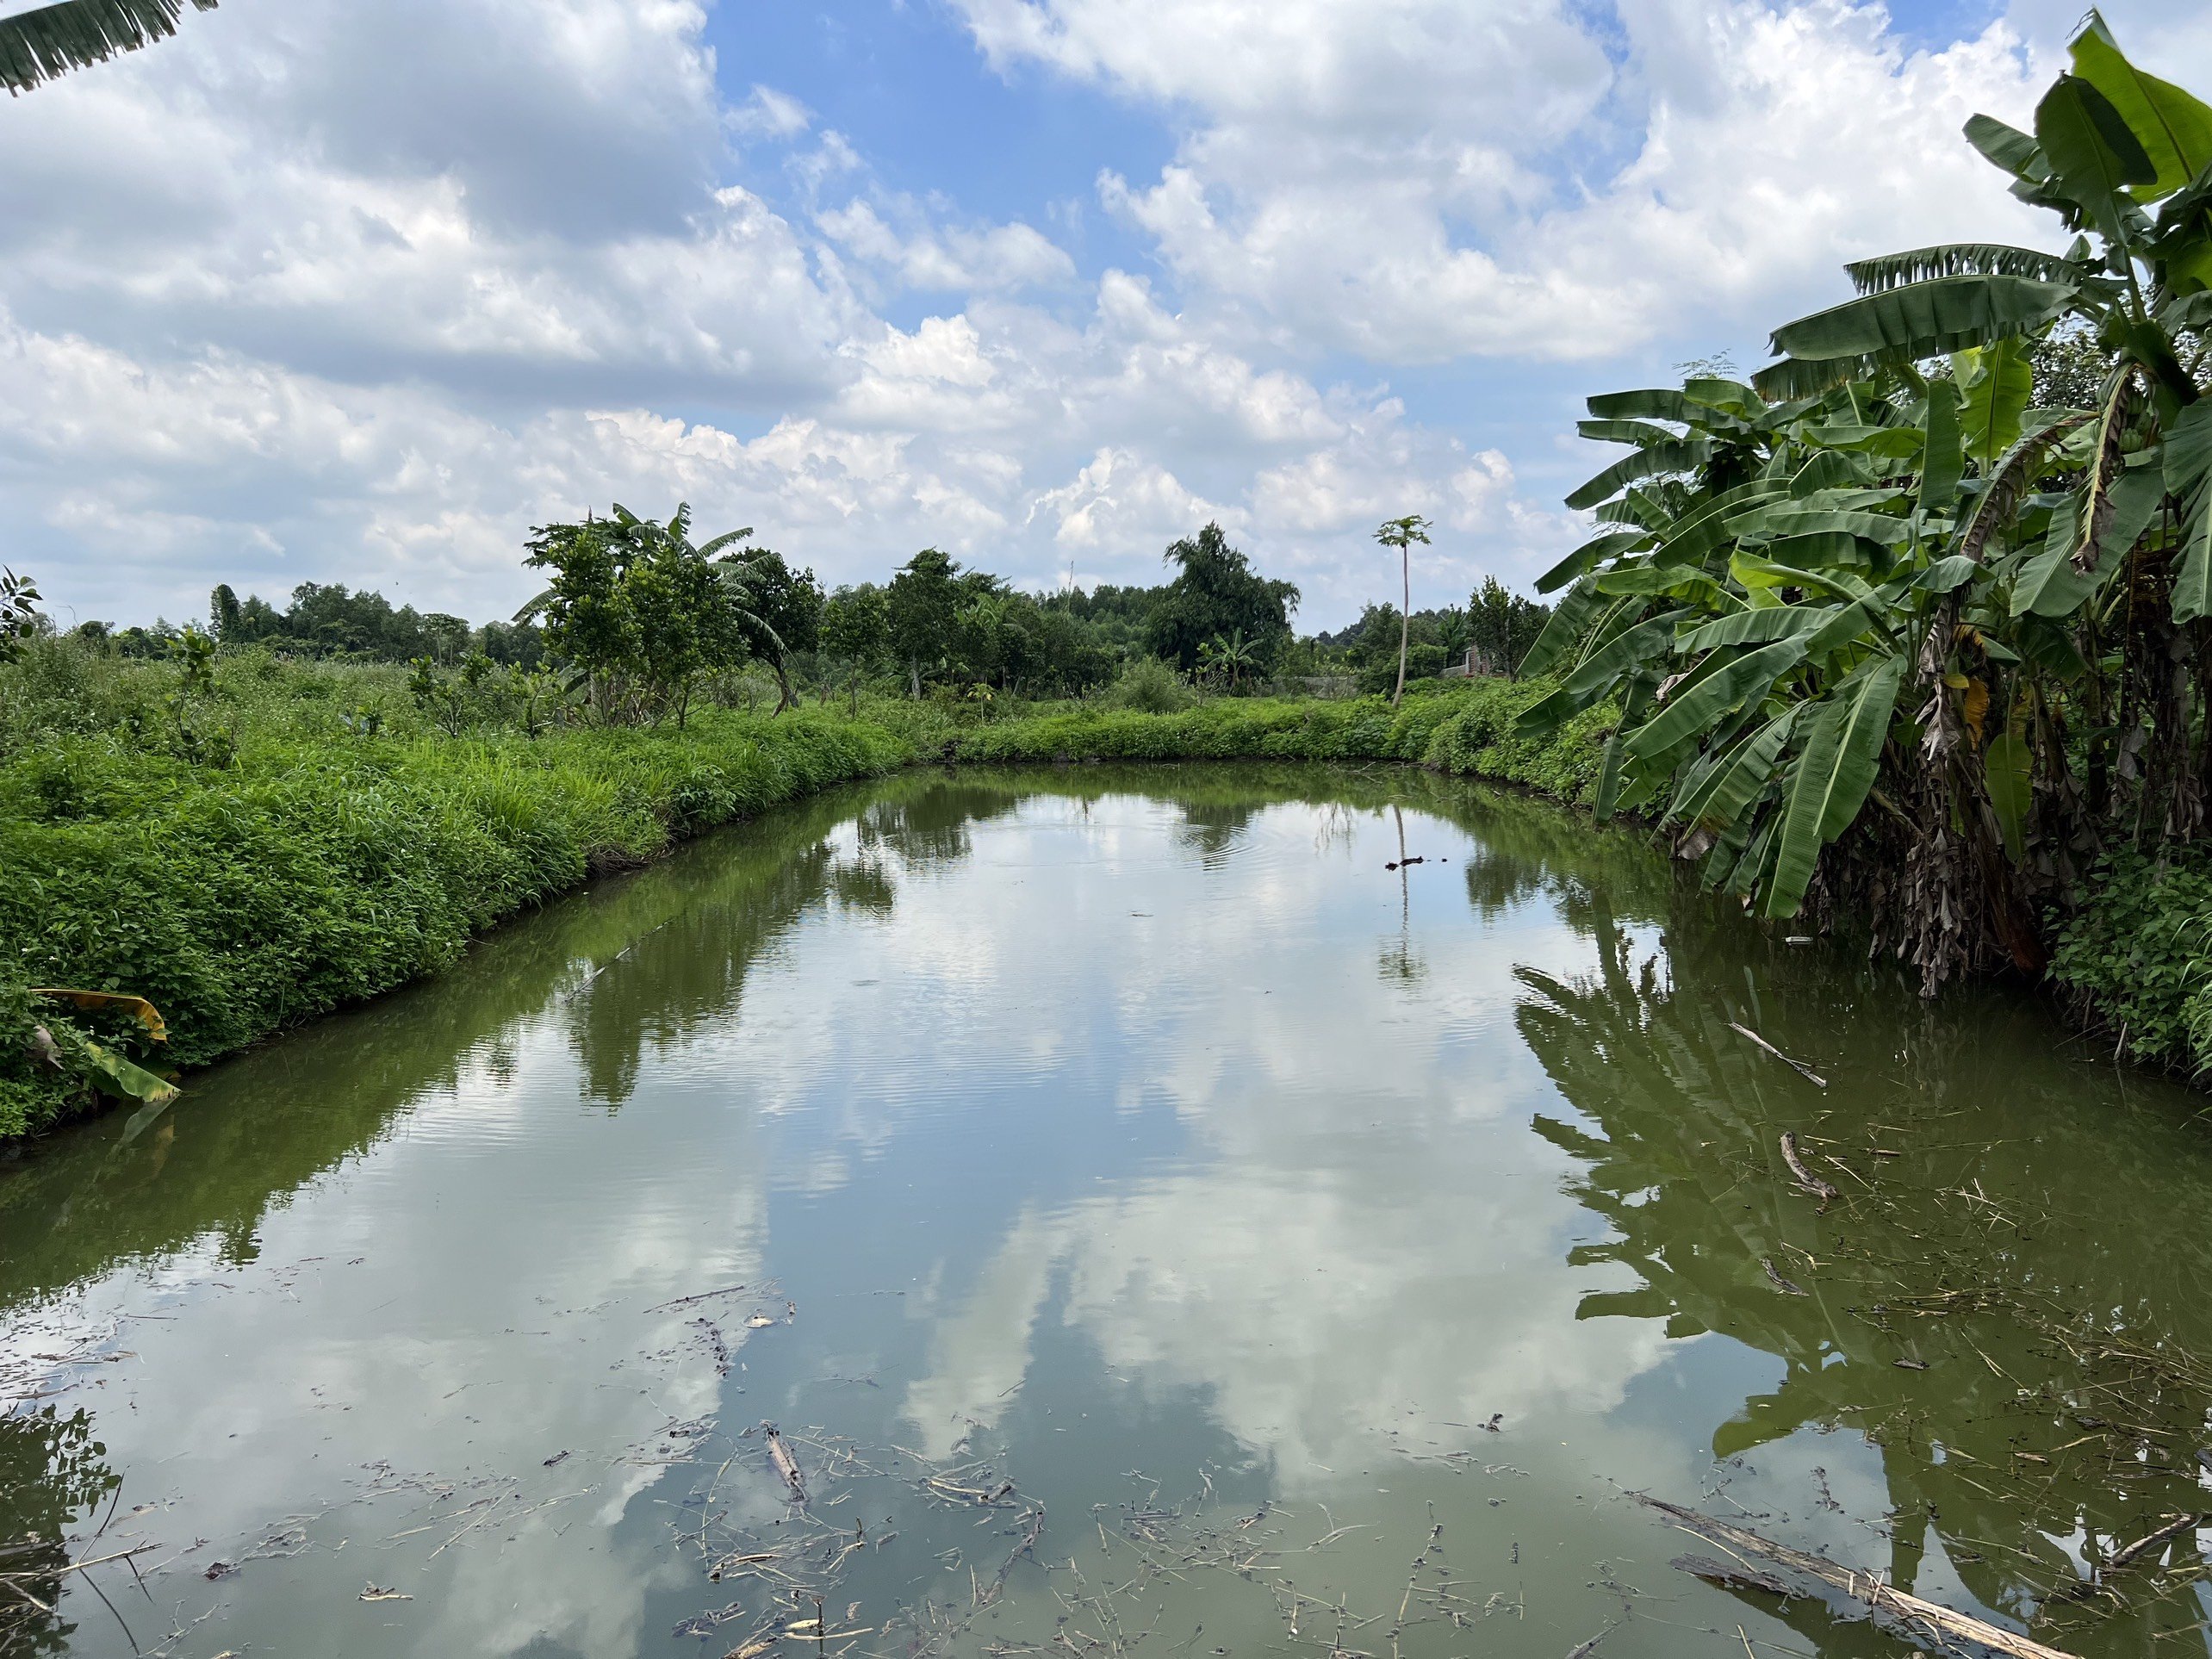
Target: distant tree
[(1504, 626), (924, 601), (511, 644), (640, 612), (1216, 593), (780, 608), (449, 638), (258, 619), (1229, 655), (856, 631), (223, 613), (1068, 657), (2069, 367), (1454, 632), (1402, 533)]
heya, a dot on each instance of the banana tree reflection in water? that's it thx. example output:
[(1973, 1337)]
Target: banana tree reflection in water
[(2002, 1301)]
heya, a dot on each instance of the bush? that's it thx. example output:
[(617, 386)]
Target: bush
[(1379, 678), (1149, 686), (310, 874), (2136, 956)]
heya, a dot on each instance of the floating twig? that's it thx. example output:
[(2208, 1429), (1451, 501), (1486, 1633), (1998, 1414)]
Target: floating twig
[(1798, 1067)]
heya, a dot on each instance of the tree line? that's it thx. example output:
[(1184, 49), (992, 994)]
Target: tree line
[(640, 617)]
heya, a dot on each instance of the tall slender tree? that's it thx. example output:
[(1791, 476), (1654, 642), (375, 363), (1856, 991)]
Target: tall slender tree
[(1402, 533)]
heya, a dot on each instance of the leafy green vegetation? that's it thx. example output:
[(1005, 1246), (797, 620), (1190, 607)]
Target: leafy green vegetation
[(322, 859), (642, 615), (1893, 638), (2135, 956), (248, 843)]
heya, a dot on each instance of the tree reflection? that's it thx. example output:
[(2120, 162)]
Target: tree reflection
[(2000, 1300), (51, 1471)]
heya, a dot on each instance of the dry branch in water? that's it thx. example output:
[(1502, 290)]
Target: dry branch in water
[(786, 1466), (2173, 1529), (1813, 1183), (1897, 1606), (1797, 1066)]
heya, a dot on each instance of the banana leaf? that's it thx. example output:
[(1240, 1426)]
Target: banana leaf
[(116, 1001), (1829, 780), (2091, 152), (1706, 706), (2188, 476), (1922, 319), (2006, 770), (2173, 128)]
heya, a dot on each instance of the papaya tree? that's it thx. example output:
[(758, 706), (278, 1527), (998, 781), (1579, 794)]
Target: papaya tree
[(1402, 533)]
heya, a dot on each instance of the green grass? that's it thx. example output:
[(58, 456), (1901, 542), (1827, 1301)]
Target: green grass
[(1464, 729), (300, 839)]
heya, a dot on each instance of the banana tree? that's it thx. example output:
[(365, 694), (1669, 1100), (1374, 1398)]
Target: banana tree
[(1231, 656), (47, 41), (1876, 574)]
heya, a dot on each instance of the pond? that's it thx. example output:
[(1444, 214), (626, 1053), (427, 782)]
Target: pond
[(1152, 1223)]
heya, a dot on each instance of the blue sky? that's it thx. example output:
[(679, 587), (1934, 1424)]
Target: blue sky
[(325, 292)]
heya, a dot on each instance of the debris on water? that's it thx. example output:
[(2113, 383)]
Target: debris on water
[(711, 1334), (702, 1295), (1780, 1282), (1825, 1191), (1798, 1067), (2174, 1527), (786, 1465), (1730, 1575), (1890, 1605)]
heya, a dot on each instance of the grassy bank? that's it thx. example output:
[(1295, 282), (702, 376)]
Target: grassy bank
[(1464, 728), (287, 839)]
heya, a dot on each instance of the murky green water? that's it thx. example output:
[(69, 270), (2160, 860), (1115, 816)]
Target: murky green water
[(1160, 1227)]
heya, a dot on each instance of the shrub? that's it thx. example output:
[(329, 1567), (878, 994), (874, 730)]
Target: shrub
[(1149, 686), (2136, 956)]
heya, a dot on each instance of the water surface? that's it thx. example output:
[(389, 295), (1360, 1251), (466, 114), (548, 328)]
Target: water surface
[(1152, 1223)]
